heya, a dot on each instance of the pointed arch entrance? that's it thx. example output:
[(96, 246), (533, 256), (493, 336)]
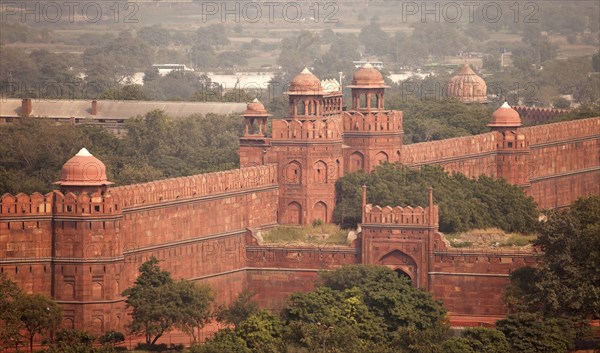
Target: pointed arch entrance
[(402, 263)]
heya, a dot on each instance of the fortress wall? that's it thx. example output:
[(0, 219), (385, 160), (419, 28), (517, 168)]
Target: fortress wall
[(562, 190), (469, 155), (564, 162), (540, 134), (196, 225), (472, 283), (194, 186), (275, 272), (25, 233), (534, 115)]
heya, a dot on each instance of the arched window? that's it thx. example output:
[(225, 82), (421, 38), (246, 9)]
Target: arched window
[(381, 157), (357, 162), (293, 173), (320, 172)]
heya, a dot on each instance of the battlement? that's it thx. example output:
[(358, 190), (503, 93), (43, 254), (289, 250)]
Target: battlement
[(459, 147), (538, 115), (562, 131), (400, 215), (382, 121), (318, 129), (55, 203), (196, 185), (22, 204)]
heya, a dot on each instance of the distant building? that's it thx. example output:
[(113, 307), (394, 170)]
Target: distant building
[(165, 69), (108, 114), (467, 87), (360, 63)]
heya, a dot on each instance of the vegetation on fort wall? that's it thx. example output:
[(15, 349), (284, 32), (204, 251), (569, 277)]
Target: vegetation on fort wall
[(33, 151), (463, 203), (312, 234)]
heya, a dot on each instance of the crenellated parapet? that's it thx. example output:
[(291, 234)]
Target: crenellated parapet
[(25, 205), (196, 185), (380, 121), (55, 203), (561, 131), (318, 129), (85, 204), (417, 216), (538, 115), (456, 148)]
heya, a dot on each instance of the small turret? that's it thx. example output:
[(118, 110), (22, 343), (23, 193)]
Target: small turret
[(83, 173)]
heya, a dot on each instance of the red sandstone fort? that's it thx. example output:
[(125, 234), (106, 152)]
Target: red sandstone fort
[(83, 245)]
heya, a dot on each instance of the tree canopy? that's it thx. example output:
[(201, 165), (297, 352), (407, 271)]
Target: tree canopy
[(156, 147), (159, 303), (463, 203), (567, 282)]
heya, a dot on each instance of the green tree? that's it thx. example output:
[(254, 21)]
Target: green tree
[(567, 283), (374, 39), (126, 92), (388, 296), (71, 341), (530, 333), (463, 203), (38, 315), (262, 332), (491, 62), (239, 310), (155, 35), (10, 295), (333, 312), (484, 340), (111, 338), (212, 35), (226, 340), (298, 52), (197, 301), (156, 305), (457, 345)]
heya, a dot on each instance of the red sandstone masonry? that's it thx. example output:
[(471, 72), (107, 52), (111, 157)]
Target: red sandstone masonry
[(538, 115), (196, 185), (382, 121), (400, 215), (472, 282), (562, 131), (460, 147)]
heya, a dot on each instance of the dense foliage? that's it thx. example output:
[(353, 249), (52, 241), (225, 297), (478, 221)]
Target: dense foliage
[(156, 147), (23, 316), (530, 333), (567, 282), (434, 119), (355, 309), (463, 203)]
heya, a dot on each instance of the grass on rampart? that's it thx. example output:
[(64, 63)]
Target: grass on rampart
[(318, 234), (489, 238)]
